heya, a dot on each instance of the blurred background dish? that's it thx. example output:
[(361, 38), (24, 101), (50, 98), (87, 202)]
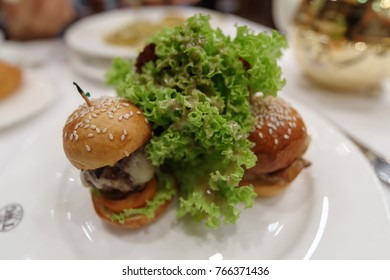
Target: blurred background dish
[(95, 35), (34, 94), (95, 40), (283, 13), (344, 44), (354, 93), (10, 79)]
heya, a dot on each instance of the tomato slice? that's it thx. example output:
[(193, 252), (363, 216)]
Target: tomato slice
[(133, 200)]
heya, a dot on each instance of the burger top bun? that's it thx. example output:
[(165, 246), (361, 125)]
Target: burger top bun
[(102, 134), (280, 135)]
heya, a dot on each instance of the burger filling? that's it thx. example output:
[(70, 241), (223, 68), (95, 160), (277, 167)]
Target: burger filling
[(127, 175), (284, 175)]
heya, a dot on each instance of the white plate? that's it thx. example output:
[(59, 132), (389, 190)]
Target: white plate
[(334, 210), (90, 67), (87, 35), (34, 95)]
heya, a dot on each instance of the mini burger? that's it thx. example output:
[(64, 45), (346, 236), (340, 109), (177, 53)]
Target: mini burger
[(105, 139), (280, 139)]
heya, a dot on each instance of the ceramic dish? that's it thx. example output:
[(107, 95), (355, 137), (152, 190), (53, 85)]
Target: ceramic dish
[(87, 36), (34, 95), (334, 210)]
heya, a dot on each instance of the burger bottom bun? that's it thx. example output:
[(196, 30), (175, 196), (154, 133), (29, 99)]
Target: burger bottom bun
[(132, 222), (264, 189), (274, 183)]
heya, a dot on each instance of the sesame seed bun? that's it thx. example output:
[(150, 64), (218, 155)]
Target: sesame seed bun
[(280, 139), (10, 79), (102, 134)]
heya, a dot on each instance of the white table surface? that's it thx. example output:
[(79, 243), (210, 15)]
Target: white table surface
[(366, 117)]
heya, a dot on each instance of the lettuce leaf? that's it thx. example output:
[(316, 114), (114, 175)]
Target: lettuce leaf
[(197, 97)]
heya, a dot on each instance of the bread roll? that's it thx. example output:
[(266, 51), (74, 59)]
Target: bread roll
[(10, 79), (102, 134), (280, 139)]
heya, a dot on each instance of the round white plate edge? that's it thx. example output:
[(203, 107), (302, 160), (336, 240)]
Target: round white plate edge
[(34, 95)]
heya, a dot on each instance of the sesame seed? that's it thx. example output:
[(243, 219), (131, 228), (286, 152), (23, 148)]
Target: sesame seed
[(260, 135), (87, 121), (97, 130), (124, 132), (110, 116), (110, 136), (90, 135), (126, 153), (146, 120), (285, 136), (88, 148), (71, 137), (104, 130), (66, 134), (86, 126), (76, 137), (125, 104), (123, 137), (138, 112), (126, 116), (270, 130), (276, 141), (131, 113), (120, 118), (103, 110), (93, 126), (94, 115)]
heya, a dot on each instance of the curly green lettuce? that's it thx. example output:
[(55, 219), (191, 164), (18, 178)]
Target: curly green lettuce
[(196, 94)]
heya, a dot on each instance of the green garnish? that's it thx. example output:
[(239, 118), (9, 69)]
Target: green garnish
[(197, 94)]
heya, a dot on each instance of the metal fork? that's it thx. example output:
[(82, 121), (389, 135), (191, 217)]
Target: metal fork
[(380, 165)]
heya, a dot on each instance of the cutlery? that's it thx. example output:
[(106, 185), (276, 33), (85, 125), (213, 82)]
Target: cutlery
[(380, 164)]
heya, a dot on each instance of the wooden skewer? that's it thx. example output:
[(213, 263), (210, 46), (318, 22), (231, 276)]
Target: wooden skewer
[(83, 95)]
